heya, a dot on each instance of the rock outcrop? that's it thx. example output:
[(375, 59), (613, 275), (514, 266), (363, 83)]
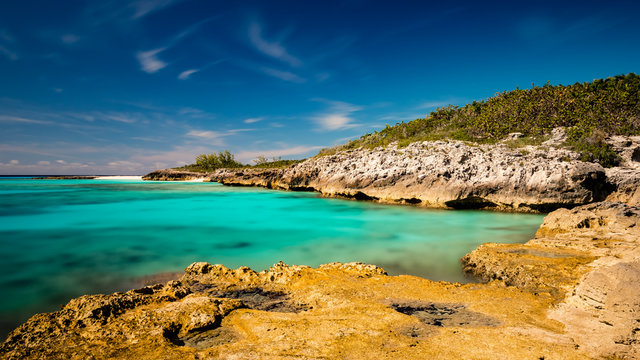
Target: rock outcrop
[(588, 260), (443, 174), (453, 174), (336, 311)]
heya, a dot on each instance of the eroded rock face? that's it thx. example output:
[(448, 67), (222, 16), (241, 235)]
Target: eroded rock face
[(453, 174), (442, 174), (336, 311), (588, 260)]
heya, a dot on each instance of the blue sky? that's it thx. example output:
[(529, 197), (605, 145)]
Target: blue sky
[(124, 87)]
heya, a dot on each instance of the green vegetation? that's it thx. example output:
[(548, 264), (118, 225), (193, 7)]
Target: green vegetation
[(590, 111), (221, 159), (263, 162), (225, 159)]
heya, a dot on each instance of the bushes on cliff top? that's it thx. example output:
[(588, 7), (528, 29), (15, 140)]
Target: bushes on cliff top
[(225, 159), (220, 159), (590, 110)]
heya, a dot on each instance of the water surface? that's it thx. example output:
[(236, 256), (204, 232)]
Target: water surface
[(60, 239)]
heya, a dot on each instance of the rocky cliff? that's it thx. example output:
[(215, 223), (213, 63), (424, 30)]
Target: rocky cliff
[(453, 174)]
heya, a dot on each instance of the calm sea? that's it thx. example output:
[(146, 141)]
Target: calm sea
[(60, 239)]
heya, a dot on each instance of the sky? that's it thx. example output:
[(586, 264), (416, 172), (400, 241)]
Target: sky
[(126, 87)]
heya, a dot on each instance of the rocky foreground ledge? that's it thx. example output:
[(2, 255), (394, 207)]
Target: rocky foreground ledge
[(573, 292), (452, 174)]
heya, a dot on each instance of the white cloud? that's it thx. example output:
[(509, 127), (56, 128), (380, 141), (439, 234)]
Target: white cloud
[(252, 120), (144, 7), (333, 122), (62, 162), (272, 49), (149, 61), (44, 163), (120, 117), (58, 90), (185, 74), (205, 134), (284, 75), (14, 162), (125, 164), (69, 39), (337, 117), (17, 119)]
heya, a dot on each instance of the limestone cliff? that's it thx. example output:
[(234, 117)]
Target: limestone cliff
[(453, 174)]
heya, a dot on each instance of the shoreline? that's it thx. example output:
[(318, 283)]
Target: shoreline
[(537, 296)]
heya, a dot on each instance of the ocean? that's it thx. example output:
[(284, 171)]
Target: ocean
[(60, 239)]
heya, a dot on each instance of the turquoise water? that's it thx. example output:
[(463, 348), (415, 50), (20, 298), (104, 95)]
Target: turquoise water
[(63, 238)]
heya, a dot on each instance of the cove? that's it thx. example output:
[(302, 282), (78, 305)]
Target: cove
[(60, 239)]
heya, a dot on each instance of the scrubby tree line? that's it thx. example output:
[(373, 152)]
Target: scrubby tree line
[(225, 159), (217, 160)]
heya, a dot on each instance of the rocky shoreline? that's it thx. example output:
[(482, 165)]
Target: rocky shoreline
[(451, 174), (572, 292)]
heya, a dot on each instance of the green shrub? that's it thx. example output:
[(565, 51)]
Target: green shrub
[(610, 105), (217, 160)]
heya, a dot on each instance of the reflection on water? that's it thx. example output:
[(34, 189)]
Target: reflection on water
[(63, 238)]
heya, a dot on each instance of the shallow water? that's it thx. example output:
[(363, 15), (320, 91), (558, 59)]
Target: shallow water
[(60, 239)]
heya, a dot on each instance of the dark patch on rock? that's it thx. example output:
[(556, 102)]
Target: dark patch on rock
[(201, 338), (597, 183), (208, 338), (470, 203), (635, 156), (412, 201), (416, 331), (302, 188), (549, 207), (540, 253), (357, 196), (444, 314), (253, 298)]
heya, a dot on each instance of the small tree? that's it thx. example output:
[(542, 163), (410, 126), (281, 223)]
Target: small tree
[(221, 159), (260, 160)]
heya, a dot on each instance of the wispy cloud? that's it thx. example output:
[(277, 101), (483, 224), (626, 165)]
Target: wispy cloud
[(337, 117), (120, 117), (144, 7), (252, 120), (18, 119), (6, 41), (185, 74), (69, 39), (284, 75), (149, 61), (272, 49), (6, 37), (205, 134)]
